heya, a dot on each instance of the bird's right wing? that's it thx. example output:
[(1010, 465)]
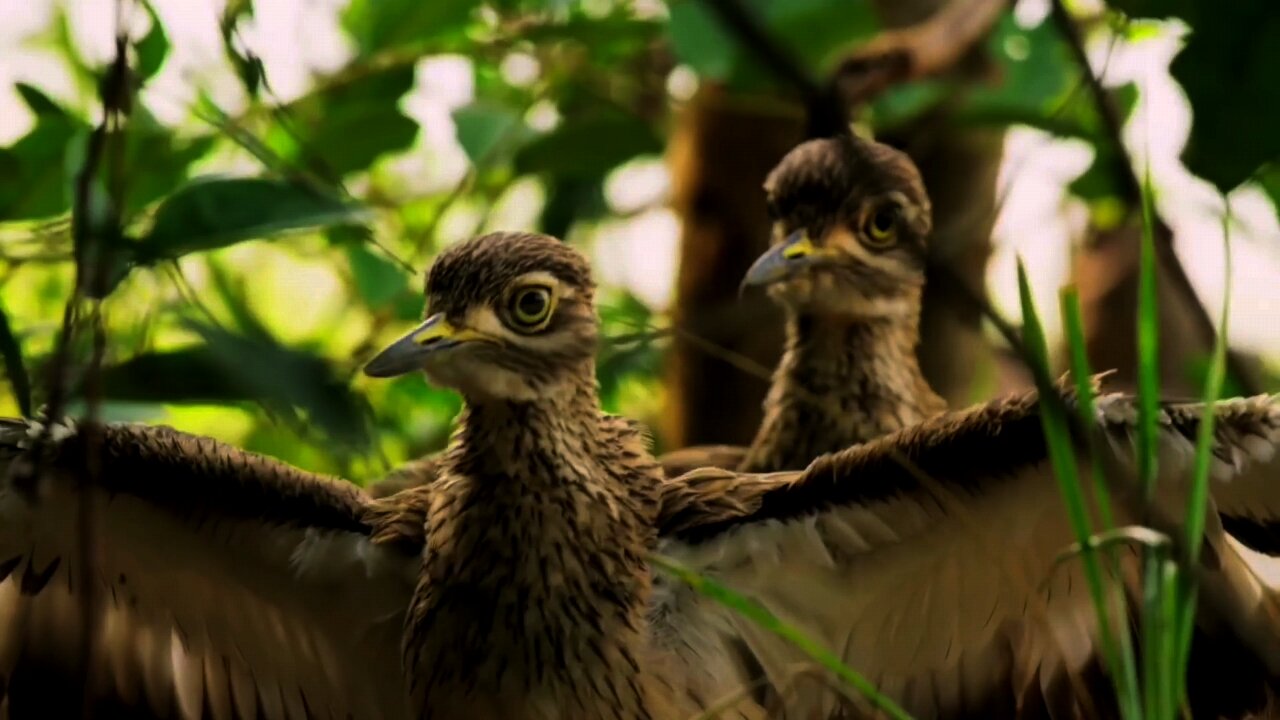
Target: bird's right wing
[(1248, 494), (218, 583)]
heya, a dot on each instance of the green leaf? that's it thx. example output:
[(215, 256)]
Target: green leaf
[(345, 126), (212, 213), (1036, 71), (230, 368), (378, 280), (588, 147), (482, 126), (11, 351), (378, 25), (1227, 68), (34, 178), (1269, 179), (700, 42), (810, 30), (157, 159), (153, 47)]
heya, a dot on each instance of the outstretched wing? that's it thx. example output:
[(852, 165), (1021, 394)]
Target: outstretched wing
[(219, 583), (926, 560), (1248, 500), (416, 473)]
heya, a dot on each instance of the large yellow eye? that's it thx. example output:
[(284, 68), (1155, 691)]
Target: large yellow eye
[(531, 306), (882, 227)]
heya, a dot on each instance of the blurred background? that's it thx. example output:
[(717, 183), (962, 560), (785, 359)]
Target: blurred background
[(255, 189)]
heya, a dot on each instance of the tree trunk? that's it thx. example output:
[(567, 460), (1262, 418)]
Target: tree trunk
[(720, 152)]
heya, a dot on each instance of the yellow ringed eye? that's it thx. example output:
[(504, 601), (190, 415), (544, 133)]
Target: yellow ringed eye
[(882, 225), (531, 306)]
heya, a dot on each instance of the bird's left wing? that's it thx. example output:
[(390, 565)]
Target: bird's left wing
[(420, 472), (926, 560), (695, 457), (219, 583)]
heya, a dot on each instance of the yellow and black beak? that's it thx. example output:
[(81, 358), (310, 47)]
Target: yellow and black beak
[(783, 261), (410, 352)]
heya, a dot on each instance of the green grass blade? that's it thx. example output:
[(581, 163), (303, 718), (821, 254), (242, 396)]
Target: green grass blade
[(1062, 458), (1198, 498), (1120, 655), (761, 616), (1155, 693), (1170, 607), (1148, 348), (1159, 613), (1073, 324)]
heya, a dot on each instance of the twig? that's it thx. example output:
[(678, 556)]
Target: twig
[(92, 237), (905, 54), (824, 112), (1112, 123)]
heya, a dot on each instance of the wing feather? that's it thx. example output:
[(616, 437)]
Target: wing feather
[(226, 584), (926, 559)]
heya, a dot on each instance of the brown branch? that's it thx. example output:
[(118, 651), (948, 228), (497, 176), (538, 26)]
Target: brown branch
[(1131, 188), (891, 58), (918, 51)]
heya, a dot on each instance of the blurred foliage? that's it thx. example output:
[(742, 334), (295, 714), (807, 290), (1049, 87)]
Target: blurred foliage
[(348, 186), (1227, 69)]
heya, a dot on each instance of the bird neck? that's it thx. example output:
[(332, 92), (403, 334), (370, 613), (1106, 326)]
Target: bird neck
[(498, 437), (841, 381), (536, 574)]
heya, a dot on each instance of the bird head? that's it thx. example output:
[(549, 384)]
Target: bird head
[(850, 219), (509, 317)]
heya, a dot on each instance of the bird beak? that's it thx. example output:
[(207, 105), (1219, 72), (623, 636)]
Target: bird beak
[(410, 352), (783, 261)]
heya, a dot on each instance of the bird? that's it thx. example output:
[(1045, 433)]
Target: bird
[(851, 219), (521, 583)]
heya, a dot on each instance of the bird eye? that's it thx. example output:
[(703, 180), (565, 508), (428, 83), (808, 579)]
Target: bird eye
[(881, 226), (531, 306)]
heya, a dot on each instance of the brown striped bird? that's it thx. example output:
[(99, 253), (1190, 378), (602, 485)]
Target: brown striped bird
[(851, 220), (521, 582)]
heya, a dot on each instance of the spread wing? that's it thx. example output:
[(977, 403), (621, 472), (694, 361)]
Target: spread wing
[(221, 584), (1247, 495), (684, 460), (926, 561)]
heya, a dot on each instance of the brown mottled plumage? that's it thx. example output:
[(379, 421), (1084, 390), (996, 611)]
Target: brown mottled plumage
[(517, 585), (849, 371), (851, 222)]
